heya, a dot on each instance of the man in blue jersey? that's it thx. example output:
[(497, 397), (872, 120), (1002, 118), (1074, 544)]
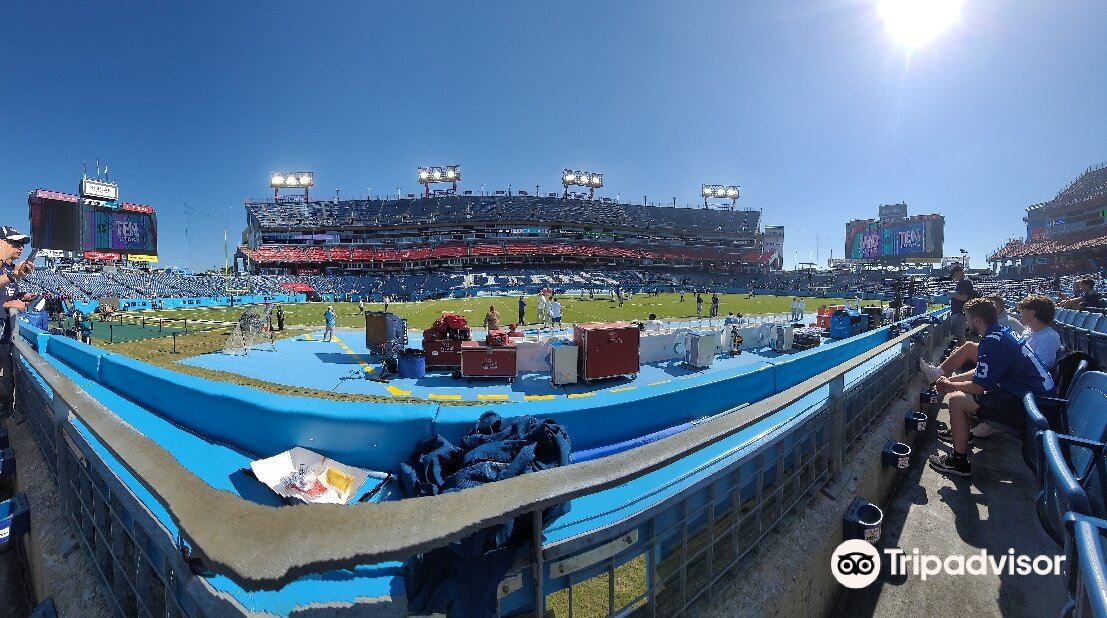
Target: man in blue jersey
[(1006, 370)]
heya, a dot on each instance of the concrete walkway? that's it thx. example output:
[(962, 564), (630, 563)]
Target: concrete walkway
[(994, 510)]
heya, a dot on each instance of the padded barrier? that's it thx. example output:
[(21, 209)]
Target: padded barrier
[(380, 435), (83, 358), (376, 436)]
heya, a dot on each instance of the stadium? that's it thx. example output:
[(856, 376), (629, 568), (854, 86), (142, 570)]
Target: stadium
[(747, 310), (682, 438)]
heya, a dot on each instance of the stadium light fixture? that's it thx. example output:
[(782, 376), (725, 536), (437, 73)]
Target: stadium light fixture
[(577, 178), (440, 173), (727, 192), (291, 180)]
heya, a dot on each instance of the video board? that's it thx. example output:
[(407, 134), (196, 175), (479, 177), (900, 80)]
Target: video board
[(915, 238), (59, 222)]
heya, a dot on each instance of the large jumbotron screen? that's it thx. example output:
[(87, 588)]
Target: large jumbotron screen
[(66, 226), (916, 238)]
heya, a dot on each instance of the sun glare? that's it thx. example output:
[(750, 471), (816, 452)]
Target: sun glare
[(914, 23)]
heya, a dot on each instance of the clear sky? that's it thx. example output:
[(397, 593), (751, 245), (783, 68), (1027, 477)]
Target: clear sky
[(811, 106)]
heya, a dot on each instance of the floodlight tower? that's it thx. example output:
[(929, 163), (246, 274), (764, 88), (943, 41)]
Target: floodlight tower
[(576, 178), (292, 180), (729, 192), (439, 174)]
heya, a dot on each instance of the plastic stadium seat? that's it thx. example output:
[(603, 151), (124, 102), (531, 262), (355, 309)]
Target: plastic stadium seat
[(1085, 565), (1073, 476), (1044, 413)]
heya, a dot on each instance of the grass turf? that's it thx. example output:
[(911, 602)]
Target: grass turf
[(422, 314)]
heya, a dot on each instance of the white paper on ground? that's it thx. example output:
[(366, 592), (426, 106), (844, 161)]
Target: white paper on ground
[(275, 470)]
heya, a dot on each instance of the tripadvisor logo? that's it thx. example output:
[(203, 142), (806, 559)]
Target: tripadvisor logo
[(856, 564)]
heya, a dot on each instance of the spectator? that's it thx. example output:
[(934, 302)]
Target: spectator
[(328, 321), (1086, 295), (962, 293), (731, 319), (492, 319), (554, 309), (1005, 320), (523, 309), (1036, 312), (14, 301), (653, 324), (1006, 370)]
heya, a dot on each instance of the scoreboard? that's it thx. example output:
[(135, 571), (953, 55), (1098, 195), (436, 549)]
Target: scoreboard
[(61, 222), (921, 237)]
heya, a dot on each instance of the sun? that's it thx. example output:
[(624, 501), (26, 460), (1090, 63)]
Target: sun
[(914, 23)]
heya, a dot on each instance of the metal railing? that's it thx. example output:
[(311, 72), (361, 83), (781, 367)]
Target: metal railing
[(665, 559)]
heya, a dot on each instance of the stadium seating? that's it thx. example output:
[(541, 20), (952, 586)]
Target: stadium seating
[(1086, 565)]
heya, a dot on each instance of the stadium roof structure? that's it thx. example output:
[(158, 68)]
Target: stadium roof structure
[(1088, 186)]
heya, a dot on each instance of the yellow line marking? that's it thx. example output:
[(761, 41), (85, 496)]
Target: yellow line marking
[(580, 395), (444, 396), (622, 389), (399, 392), (492, 397), (307, 337), (366, 368), (659, 382), (537, 397)]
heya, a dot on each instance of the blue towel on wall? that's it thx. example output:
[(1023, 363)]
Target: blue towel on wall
[(461, 579)]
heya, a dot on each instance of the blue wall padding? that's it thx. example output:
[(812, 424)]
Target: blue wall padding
[(377, 436), (626, 445), (607, 418), (803, 365), (84, 358)]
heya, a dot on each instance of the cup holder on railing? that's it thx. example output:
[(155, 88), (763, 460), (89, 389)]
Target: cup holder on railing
[(896, 455), (15, 521), (915, 421), (862, 521)]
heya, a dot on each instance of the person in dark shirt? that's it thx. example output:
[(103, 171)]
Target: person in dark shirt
[(1086, 296), (1006, 370), (963, 291), (14, 301), (523, 309)]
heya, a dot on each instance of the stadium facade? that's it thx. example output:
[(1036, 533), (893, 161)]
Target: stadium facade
[(301, 237), (1065, 235)]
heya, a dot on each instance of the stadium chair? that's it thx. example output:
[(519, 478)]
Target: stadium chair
[(1073, 476), (1098, 338), (1083, 332), (1085, 566), (1044, 413)]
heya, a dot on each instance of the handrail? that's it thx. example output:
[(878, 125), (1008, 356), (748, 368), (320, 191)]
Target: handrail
[(264, 547)]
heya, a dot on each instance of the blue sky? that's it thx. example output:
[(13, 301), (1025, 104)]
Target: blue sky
[(810, 106)]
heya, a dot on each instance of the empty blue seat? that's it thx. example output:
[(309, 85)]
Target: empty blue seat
[(1072, 470), (1043, 413), (1085, 566)]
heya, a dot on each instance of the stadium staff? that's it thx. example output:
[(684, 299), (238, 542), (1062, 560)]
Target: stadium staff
[(962, 293), (1006, 370), (14, 301)]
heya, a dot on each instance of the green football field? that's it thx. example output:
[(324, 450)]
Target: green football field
[(574, 309)]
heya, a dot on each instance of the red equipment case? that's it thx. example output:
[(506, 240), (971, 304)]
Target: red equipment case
[(481, 361), (442, 352), (607, 349)]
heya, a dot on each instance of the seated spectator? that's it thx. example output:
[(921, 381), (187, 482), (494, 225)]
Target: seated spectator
[(653, 324), (730, 318), (967, 352), (1006, 370), (492, 319), (1036, 312), (1005, 319), (1086, 296)]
